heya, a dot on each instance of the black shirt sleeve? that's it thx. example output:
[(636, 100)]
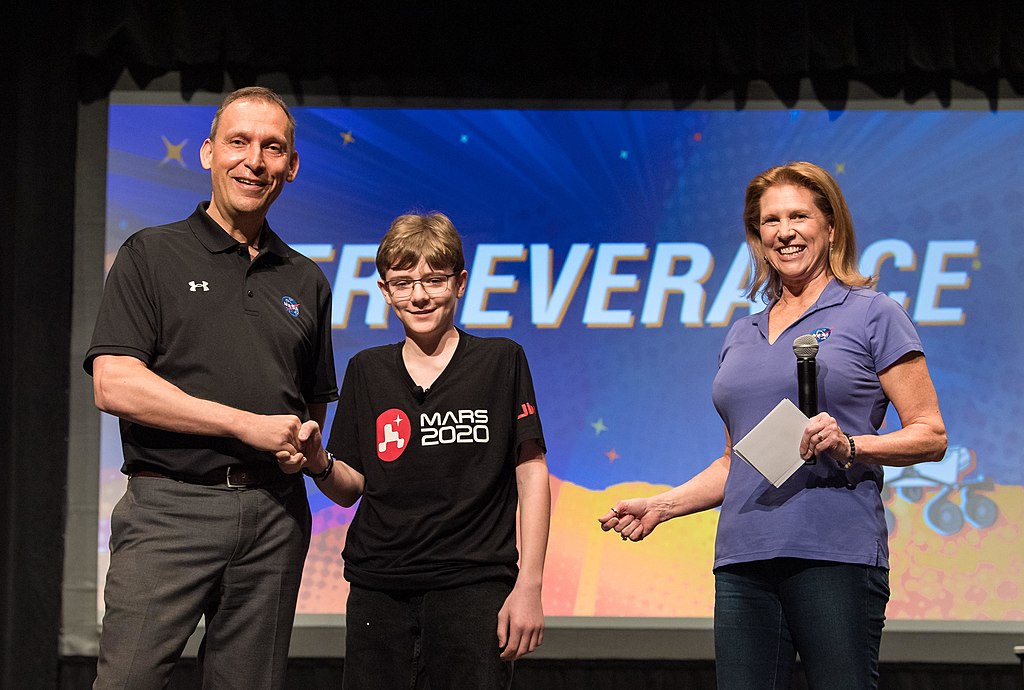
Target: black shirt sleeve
[(527, 421), (127, 323), (344, 438), (320, 384)]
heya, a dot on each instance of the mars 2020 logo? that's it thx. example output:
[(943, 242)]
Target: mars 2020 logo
[(393, 434), (436, 429)]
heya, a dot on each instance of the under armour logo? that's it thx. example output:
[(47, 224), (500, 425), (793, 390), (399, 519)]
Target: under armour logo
[(193, 286)]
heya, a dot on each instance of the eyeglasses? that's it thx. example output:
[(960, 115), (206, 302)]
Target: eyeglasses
[(436, 284)]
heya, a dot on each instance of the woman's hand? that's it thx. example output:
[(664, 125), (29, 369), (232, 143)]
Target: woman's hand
[(633, 519), (822, 435)]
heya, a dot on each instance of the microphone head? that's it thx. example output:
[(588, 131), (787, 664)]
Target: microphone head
[(805, 346)]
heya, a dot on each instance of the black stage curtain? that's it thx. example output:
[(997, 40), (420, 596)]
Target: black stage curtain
[(58, 55), (611, 50)]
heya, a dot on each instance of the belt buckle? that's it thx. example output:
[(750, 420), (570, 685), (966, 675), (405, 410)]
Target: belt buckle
[(243, 485)]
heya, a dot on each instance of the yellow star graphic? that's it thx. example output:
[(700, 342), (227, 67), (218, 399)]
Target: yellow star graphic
[(612, 455), (599, 426), (173, 152), (347, 138), (840, 168)]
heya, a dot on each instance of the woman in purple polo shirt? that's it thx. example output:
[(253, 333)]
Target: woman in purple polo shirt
[(804, 567)]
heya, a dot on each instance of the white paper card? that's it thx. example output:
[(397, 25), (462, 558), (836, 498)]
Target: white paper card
[(773, 446)]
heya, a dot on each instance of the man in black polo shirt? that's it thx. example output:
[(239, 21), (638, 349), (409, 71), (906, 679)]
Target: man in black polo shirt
[(213, 347)]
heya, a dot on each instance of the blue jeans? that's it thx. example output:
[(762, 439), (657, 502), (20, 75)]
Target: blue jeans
[(768, 611), (443, 639)]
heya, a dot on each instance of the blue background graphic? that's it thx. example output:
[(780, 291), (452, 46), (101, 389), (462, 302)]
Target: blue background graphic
[(634, 403)]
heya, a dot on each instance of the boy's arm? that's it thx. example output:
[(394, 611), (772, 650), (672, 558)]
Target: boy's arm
[(521, 619), (343, 485)]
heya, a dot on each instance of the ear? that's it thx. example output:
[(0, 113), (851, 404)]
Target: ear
[(206, 154), (293, 166), (461, 281), (384, 291)]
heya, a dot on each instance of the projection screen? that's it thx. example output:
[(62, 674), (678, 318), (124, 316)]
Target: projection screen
[(608, 242)]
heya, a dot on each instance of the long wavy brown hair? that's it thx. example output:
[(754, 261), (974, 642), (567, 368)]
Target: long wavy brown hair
[(842, 259)]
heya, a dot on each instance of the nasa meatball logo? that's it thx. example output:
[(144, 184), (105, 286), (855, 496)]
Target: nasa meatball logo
[(393, 433), (821, 334), (290, 306)]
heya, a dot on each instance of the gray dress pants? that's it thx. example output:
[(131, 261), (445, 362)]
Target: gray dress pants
[(179, 552)]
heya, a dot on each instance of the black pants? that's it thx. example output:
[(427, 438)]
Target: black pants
[(443, 639)]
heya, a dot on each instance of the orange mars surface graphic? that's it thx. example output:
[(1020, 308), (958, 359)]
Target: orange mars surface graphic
[(975, 573)]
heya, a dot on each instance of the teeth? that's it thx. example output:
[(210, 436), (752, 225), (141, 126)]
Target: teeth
[(790, 250)]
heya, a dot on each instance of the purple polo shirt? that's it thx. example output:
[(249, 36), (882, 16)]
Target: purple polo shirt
[(820, 512)]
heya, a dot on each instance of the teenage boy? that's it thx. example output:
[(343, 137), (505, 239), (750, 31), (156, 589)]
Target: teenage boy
[(439, 435)]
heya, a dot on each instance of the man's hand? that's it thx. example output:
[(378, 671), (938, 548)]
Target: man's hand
[(273, 433), (307, 453)]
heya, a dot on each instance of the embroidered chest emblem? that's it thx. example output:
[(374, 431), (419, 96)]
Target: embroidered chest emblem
[(193, 286), (821, 334), (290, 306)]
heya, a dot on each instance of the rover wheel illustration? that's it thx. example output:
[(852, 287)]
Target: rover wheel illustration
[(954, 473), (981, 511), (910, 494), (942, 515)]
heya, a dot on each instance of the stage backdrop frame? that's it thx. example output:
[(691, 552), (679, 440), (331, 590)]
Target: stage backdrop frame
[(323, 635)]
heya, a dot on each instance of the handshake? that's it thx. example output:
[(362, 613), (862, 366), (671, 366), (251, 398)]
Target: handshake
[(295, 444)]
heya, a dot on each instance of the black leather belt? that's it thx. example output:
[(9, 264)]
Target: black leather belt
[(233, 476)]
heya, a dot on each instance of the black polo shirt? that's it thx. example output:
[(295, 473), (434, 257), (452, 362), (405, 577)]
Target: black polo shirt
[(254, 335)]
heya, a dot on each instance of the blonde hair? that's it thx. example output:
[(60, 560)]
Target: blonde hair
[(415, 236), (828, 198)]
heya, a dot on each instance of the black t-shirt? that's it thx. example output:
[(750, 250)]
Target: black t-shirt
[(439, 504), (254, 335)]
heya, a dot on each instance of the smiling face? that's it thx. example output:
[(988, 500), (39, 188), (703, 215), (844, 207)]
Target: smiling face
[(795, 236), (250, 157), (423, 315)]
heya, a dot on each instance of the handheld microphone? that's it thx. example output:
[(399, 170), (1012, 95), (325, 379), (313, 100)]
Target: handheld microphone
[(805, 347)]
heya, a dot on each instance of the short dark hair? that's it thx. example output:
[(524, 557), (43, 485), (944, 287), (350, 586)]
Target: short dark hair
[(255, 93)]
